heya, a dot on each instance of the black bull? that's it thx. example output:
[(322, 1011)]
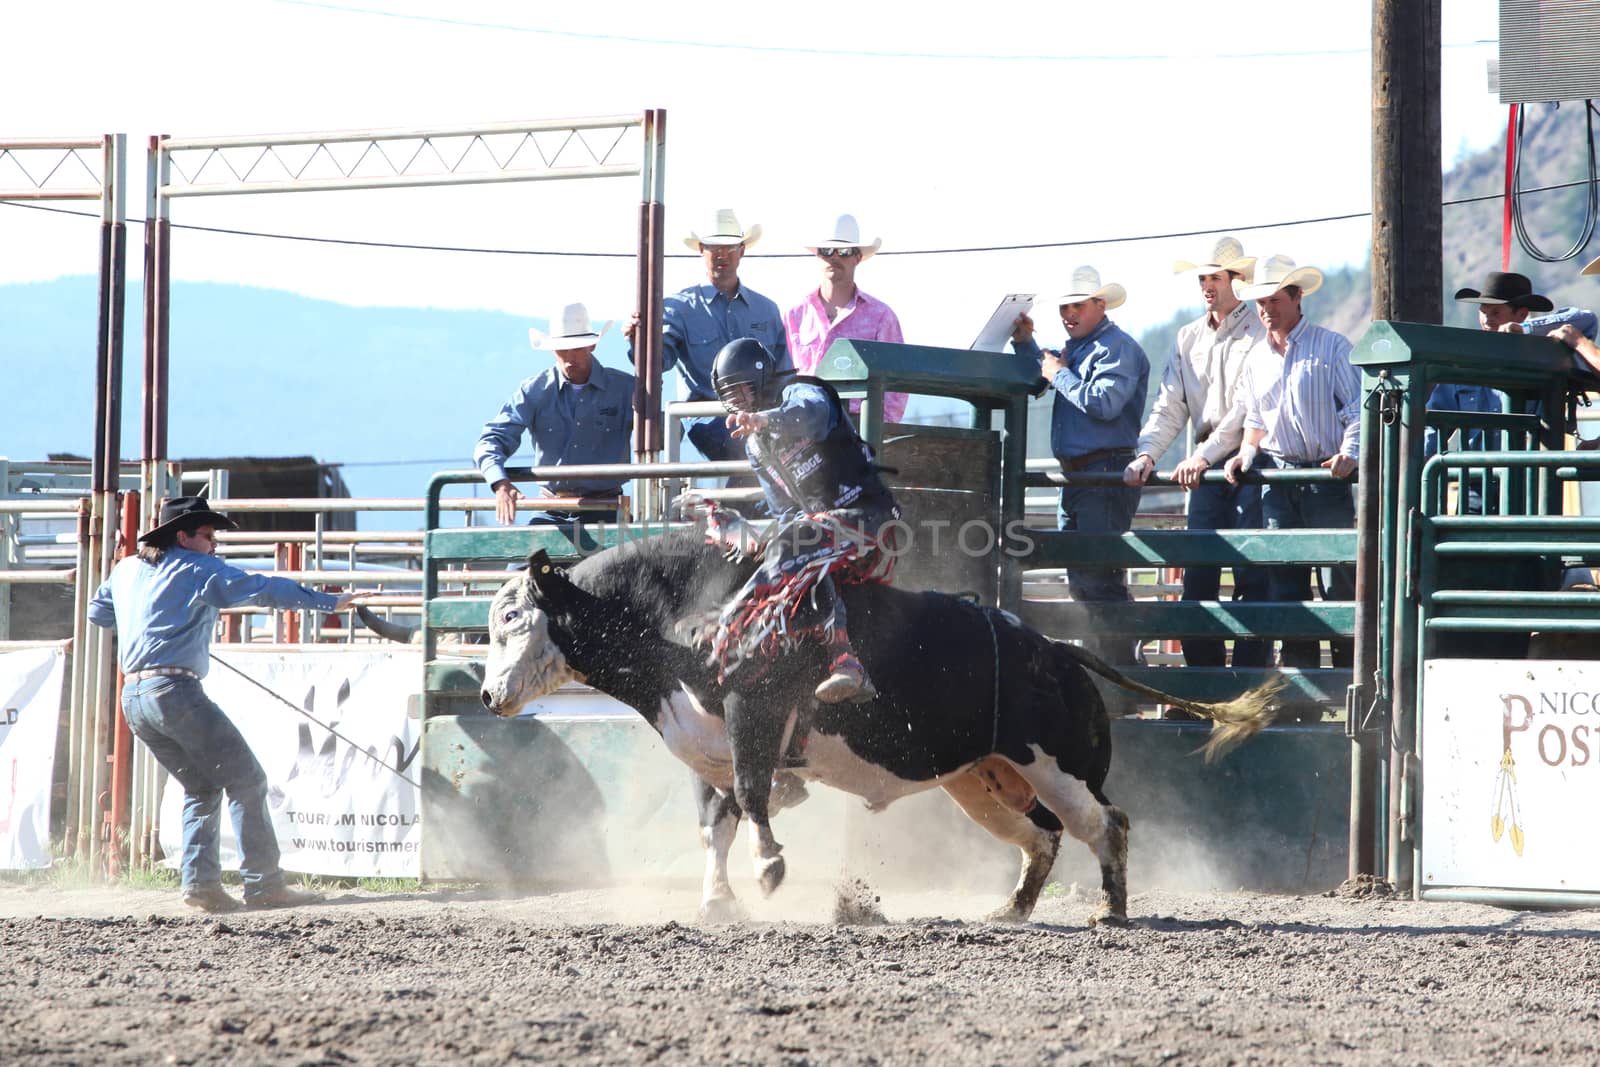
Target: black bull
[(1004, 719)]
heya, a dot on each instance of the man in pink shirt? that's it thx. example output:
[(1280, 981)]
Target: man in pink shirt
[(839, 309)]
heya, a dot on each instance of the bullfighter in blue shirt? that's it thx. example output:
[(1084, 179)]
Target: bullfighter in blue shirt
[(576, 412), (1100, 380), (163, 604)]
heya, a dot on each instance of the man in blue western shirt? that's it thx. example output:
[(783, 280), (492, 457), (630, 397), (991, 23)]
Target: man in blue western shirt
[(576, 412), (699, 320), (1100, 379)]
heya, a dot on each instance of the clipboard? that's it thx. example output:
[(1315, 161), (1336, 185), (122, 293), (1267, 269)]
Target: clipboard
[(997, 331)]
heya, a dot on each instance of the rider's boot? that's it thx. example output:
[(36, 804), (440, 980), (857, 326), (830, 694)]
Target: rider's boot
[(847, 680)]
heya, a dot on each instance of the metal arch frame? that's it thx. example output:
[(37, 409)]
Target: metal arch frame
[(413, 148), (95, 730)]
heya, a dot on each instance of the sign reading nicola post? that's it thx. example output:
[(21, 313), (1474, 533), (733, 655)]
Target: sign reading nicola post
[(342, 794), (1510, 774)]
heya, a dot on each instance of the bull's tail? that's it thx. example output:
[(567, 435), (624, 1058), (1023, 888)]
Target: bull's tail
[(386, 628), (1232, 722)]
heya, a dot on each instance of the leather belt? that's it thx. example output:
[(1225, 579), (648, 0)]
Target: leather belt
[(160, 672), (1077, 463)]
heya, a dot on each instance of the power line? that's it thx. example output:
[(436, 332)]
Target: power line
[(854, 53), (307, 238)]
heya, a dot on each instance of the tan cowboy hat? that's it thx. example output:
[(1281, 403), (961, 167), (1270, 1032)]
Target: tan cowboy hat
[(1591, 267), (1086, 285), (1275, 273), (1226, 254), (846, 233), (570, 328), (724, 230)]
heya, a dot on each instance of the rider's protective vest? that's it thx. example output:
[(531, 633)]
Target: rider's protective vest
[(835, 472)]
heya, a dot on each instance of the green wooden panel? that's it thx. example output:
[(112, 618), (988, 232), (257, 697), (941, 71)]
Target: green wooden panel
[(1502, 359), (956, 372), (1182, 548), (458, 613), (1326, 687), (1190, 618), (517, 543)]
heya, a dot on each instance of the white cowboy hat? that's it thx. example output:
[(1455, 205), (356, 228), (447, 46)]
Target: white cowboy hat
[(1273, 274), (1086, 285), (570, 328), (724, 230), (1591, 267), (1226, 254), (847, 234)]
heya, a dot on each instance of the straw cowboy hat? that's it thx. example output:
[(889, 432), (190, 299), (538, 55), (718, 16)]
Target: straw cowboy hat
[(187, 513), (1502, 287), (570, 328), (1226, 254), (1591, 267), (1086, 286), (724, 230), (847, 234), (1274, 273)]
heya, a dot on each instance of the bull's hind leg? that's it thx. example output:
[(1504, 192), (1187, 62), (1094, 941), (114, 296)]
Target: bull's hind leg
[(1101, 826), (1038, 840), (719, 822), (755, 734)]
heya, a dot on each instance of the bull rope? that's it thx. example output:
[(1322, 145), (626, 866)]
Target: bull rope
[(280, 698)]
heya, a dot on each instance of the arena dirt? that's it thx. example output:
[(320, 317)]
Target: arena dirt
[(623, 977)]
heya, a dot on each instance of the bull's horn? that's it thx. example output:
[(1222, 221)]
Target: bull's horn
[(386, 628)]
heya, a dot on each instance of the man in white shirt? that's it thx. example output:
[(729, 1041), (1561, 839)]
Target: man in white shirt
[(1299, 406), (1198, 390)]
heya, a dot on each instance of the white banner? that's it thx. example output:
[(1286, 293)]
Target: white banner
[(1511, 774), (30, 708), (339, 806)]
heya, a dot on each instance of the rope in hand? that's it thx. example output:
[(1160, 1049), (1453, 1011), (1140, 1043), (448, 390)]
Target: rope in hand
[(291, 704)]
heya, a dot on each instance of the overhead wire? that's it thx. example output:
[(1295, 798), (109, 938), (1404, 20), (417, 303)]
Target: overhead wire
[(1034, 246)]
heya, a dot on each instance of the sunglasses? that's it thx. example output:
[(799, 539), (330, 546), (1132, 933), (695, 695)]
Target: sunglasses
[(841, 253)]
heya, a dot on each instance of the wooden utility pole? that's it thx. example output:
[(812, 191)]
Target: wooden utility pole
[(1407, 285)]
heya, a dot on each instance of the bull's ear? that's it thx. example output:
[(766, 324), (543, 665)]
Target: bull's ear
[(544, 575), (539, 562)]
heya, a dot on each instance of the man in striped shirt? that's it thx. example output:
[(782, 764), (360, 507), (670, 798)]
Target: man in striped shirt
[(1299, 406), (1198, 390)]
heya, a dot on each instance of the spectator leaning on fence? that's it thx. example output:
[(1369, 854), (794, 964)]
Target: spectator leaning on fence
[(575, 412), (164, 604), (699, 320), (838, 308), (1299, 406), (1197, 391), (1099, 378)]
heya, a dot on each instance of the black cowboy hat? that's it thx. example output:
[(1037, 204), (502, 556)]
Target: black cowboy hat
[(1504, 287), (188, 513)]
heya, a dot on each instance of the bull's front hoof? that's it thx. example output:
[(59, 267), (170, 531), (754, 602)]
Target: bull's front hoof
[(1105, 917), (770, 875), (1006, 913), (720, 911)]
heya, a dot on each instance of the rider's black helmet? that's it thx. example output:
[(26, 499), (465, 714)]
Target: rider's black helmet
[(745, 362)]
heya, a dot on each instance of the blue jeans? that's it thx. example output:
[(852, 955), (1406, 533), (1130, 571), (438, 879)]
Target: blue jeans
[(1316, 506), (1101, 509), (1220, 506), (191, 737)]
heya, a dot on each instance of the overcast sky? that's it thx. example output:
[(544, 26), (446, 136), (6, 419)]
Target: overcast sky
[(958, 127)]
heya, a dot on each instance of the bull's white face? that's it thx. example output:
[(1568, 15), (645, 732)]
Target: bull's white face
[(524, 663)]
